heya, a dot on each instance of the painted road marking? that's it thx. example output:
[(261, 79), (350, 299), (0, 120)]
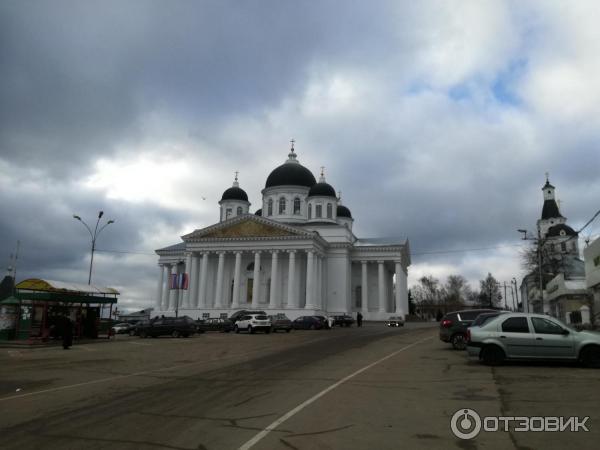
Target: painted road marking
[(258, 437)]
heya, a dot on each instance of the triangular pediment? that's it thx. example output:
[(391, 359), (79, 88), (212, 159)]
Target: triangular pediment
[(247, 227)]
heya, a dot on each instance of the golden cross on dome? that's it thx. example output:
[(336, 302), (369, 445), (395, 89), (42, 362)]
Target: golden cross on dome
[(236, 175), (322, 171), (292, 141)]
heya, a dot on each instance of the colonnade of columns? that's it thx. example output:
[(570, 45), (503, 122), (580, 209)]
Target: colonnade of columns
[(196, 296), (400, 292)]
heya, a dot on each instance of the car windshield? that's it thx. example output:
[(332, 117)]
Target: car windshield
[(261, 317)]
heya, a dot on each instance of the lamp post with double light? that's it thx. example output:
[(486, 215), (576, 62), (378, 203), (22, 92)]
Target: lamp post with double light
[(94, 235)]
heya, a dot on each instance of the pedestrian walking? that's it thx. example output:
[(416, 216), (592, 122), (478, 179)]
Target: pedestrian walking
[(67, 333), (359, 318)]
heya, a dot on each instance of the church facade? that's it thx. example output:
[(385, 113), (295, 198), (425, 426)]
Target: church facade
[(295, 255)]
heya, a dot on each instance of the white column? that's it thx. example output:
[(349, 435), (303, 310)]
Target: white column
[(256, 281), (273, 302), (381, 287), (203, 281), (401, 294), (166, 293), (319, 295), (219, 290), (173, 292), (174, 303), (364, 289), (194, 279), (188, 269), (159, 292), (236, 280), (310, 284), (292, 297)]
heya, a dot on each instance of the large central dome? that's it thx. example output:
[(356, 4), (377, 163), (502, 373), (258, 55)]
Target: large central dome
[(291, 173)]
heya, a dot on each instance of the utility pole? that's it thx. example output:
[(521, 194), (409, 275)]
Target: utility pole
[(14, 288), (505, 305)]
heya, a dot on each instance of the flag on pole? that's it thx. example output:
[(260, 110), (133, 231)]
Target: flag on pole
[(179, 281)]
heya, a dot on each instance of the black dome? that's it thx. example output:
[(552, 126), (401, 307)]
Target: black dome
[(342, 211), (556, 230), (321, 189), (290, 174), (235, 193), (258, 212)]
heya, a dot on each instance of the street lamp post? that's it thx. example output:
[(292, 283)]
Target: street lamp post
[(94, 236)]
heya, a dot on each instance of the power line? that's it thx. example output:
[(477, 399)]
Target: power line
[(465, 250)]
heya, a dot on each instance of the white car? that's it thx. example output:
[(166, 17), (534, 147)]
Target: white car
[(252, 323)]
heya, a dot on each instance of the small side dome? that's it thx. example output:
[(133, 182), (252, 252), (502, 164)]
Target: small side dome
[(235, 193), (561, 230), (258, 212), (342, 211), (322, 189)]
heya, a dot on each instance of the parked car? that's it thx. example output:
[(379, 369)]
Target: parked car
[(215, 324), (244, 312), (280, 322), (327, 321), (485, 317), (252, 323), (531, 337), (122, 328), (167, 326), (395, 321), (309, 323), (453, 326), (343, 320)]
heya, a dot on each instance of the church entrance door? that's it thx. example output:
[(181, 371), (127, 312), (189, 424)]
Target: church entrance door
[(250, 290)]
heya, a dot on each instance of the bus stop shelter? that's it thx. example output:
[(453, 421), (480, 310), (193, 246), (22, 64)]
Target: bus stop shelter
[(38, 306)]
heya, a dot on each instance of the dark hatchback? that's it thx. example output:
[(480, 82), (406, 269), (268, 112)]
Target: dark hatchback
[(215, 324), (453, 326), (280, 322), (343, 320), (309, 323), (167, 326)]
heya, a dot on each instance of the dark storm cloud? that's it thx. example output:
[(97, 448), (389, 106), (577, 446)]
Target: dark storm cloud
[(78, 76)]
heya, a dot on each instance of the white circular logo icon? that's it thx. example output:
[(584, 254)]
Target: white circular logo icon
[(465, 424)]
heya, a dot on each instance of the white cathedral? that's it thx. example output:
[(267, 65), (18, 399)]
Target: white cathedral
[(296, 255)]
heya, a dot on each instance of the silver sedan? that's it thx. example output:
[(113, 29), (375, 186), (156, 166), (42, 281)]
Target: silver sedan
[(521, 336)]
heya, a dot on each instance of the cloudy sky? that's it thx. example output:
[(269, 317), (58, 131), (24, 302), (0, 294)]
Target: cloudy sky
[(436, 119)]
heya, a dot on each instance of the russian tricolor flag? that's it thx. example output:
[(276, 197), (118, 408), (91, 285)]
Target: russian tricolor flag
[(179, 281)]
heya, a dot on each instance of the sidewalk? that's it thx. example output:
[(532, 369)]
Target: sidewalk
[(32, 345)]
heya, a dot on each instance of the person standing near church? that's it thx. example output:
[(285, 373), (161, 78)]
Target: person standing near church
[(359, 318), (67, 332)]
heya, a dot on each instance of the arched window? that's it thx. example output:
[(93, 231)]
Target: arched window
[(318, 211), (282, 205), (296, 205), (270, 207), (239, 211), (309, 211), (329, 211), (228, 213)]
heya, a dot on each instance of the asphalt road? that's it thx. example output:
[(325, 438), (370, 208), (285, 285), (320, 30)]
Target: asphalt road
[(369, 388)]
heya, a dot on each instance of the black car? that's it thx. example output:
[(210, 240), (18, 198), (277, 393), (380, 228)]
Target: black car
[(244, 312), (485, 317), (215, 324), (167, 326), (280, 322), (309, 323), (343, 320), (453, 326)]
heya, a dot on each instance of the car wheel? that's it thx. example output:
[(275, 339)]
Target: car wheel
[(268, 330), (250, 330), (459, 341), (175, 334), (492, 355), (143, 334), (186, 335), (312, 327), (236, 329), (590, 356), (288, 330), (132, 333)]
